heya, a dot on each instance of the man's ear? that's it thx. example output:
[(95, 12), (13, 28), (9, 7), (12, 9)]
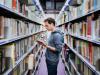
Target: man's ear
[(52, 24)]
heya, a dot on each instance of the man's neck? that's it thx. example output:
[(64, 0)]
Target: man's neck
[(53, 29)]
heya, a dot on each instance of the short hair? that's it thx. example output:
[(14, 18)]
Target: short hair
[(50, 20)]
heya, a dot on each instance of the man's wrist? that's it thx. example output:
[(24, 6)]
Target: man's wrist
[(46, 46)]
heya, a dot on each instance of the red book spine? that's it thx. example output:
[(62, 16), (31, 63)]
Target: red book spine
[(90, 53), (14, 4), (89, 27)]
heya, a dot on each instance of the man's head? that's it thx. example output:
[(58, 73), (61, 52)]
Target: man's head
[(49, 24)]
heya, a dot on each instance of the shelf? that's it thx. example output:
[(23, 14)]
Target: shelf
[(74, 67), (21, 59), (37, 62), (7, 41), (36, 54), (8, 12), (26, 72), (81, 17), (86, 39), (66, 65), (85, 61)]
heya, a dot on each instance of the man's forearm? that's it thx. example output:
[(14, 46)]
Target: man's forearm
[(51, 48)]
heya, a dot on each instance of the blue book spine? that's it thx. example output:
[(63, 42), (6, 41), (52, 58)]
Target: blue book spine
[(95, 4)]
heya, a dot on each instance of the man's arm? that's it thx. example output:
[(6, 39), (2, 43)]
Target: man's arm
[(45, 45), (58, 43), (57, 39)]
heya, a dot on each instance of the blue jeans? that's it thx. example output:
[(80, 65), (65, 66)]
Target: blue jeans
[(51, 67)]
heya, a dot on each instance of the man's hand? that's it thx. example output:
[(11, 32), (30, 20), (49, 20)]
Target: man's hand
[(45, 45), (42, 43)]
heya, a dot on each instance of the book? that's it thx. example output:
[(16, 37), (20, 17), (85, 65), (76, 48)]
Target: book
[(85, 70), (10, 53), (96, 55), (2, 2), (1, 27), (98, 65), (31, 61), (97, 30), (84, 28), (96, 4), (3, 60), (90, 53), (89, 26), (8, 28), (8, 3), (14, 4)]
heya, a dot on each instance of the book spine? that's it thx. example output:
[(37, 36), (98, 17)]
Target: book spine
[(14, 4), (2, 2), (89, 27), (1, 27)]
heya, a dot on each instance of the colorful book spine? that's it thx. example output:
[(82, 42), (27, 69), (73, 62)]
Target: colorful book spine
[(1, 27), (91, 53), (2, 2), (14, 4), (89, 27)]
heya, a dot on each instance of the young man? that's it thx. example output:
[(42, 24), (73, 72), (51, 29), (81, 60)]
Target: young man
[(54, 47)]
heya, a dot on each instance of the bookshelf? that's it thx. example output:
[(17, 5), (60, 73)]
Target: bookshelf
[(65, 63), (21, 59), (18, 36), (86, 39), (6, 11), (73, 65), (81, 35)]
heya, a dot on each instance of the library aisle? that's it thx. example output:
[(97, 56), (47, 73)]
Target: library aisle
[(23, 24), (42, 69)]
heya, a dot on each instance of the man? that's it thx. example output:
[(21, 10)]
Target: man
[(54, 47)]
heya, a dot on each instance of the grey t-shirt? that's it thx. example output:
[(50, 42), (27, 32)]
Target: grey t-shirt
[(55, 40)]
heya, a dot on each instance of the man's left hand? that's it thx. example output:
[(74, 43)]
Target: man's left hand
[(42, 43)]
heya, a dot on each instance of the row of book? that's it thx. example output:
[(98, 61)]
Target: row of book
[(10, 27), (88, 50), (87, 5), (21, 69), (76, 65), (15, 5), (25, 7), (11, 53), (89, 28), (71, 12), (79, 66)]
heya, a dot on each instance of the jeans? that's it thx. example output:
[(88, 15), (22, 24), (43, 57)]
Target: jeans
[(51, 67)]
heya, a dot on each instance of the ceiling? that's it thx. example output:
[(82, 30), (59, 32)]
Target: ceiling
[(52, 6)]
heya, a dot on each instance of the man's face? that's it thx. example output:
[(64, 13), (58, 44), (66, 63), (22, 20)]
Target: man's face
[(48, 26)]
